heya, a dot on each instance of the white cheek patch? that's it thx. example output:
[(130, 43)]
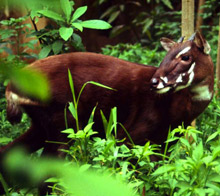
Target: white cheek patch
[(202, 93), (191, 77), (185, 50)]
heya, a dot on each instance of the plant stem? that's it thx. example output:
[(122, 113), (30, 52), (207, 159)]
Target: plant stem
[(4, 184)]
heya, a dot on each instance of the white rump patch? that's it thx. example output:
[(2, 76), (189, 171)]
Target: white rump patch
[(16, 100), (185, 50), (202, 93)]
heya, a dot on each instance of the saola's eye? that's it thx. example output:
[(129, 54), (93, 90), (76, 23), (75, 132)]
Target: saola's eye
[(185, 58)]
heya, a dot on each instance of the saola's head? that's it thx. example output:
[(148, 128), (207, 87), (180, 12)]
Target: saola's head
[(185, 64)]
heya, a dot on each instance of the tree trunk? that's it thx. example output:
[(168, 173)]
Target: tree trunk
[(199, 20), (188, 7)]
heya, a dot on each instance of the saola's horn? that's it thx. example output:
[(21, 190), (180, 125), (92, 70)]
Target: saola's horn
[(180, 40), (192, 37)]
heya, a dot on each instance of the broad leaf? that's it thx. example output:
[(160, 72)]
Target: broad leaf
[(96, 24), (77, 26), (57, 46), (66, 7), (45, 52), (66, 32), (79, 12), (30, 83), (52, 15)]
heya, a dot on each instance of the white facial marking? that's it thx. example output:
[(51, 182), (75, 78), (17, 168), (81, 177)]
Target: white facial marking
[(185, 50), (160, 85), (202, 93), (165, 79), (191, 77), (164, 90), (179, 79), (192, 67)]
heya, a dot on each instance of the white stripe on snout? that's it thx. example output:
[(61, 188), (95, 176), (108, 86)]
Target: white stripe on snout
[(185, 50), (165, 79)]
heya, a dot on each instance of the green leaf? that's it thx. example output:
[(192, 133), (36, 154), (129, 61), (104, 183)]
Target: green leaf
[(167, 3), (66, 32), (57, 46), (45, 51), (79, 12), (30, 83), (68, 131), (5, 140), (92, 115), (94, 183), (72, 87), (77, 26), (27, 79), (198, 152), (52, 15), (163, 169), (88, 127), (104, 120), (96, 24), (67, 9), (100, 85), (113, 16), (212, 136), (72, 109)]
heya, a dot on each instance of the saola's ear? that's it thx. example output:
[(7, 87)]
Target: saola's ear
[(167, 43), (202, 43)]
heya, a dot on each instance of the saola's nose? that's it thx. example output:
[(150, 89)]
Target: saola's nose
[(154, 82)]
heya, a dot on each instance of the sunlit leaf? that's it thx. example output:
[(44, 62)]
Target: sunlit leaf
[(30, 83), (96, 24), (66, 32), (77, 26), (79, 12), (51, 14), (66, 7), (72, 109)]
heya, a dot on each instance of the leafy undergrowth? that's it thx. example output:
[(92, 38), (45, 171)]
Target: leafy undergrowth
[(191, 166)]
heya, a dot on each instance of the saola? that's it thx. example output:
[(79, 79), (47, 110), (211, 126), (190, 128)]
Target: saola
[(149, 100)]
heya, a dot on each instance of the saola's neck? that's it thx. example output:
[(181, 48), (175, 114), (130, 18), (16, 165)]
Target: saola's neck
[(202, 91)]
